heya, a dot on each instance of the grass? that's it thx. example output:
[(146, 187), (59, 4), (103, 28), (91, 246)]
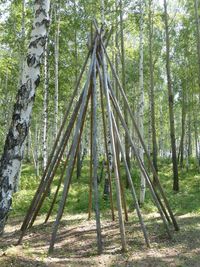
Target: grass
[(76, 242), (186, 200)]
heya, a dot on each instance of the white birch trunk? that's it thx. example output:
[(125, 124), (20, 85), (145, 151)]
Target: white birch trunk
[(141, 104), (15, 141), (161, 141), (36, 150), (45, 106), (56, 58)]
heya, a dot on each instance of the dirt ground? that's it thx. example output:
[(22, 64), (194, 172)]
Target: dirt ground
[(76, 244)]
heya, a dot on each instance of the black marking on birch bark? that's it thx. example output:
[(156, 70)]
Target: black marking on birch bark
[(5, 185), (31, 59), (23, 92), (40, 40), (18, 107), (22, 130), (37, 81), (46, 22), (40, 10), (16, 117)]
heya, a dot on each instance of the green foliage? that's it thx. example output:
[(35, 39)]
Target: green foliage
[(187, 200)]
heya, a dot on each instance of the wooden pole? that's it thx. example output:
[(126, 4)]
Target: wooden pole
[(142, 143), (37, 194), (120, 180), (119, 204), (140, 163), (132, 188), (105, 142), (159, 200), (51, 175), (72, 156), (58, 187), (38, 198), (94, 159), (91, 167)]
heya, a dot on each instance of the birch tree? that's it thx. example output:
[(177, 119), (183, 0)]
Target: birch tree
[(56, 58), (196, 7), (171, 102), (141, 103), (15, 140), (124, 81), (152, 98)]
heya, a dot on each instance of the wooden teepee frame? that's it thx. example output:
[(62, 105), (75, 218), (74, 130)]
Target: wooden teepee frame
[(109, 104)]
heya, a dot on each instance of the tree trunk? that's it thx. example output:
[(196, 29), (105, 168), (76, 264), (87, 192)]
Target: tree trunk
[(171, 103), (141, 104), (152, 98), (56, 58), (45, 106), (124, 84), (181, 147), (36, 150), (15, 141), (196, 8)]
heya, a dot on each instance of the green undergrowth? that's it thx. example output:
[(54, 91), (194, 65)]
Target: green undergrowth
[(186, 200)]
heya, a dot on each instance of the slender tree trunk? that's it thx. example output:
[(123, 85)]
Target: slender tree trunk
[(45, 106), (171, 103), (28, 147), (78, 163), (56, 58), (196, 10), (161, 139), (15, 141), (181, 147), (124, 84), (141, 104), (152, 97), (116, 57), (197, 141), (36, 149)]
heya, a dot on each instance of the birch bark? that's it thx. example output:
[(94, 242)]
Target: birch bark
[(15, 141)]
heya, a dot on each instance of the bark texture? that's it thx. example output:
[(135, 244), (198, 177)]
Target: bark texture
[(15, 141)]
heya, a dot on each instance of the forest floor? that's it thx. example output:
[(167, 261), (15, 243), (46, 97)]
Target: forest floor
[(76, 240), (76, 244)]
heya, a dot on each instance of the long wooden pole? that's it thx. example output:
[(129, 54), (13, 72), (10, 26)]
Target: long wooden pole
[(91, 166), (94, 159), (58, 187), (140, 163), (38, 192), (156, 193), (38, 199), (142, 143), (72, 156), (105, 142), (119, 204), (120, 180), (57, 160), (132, 188)]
